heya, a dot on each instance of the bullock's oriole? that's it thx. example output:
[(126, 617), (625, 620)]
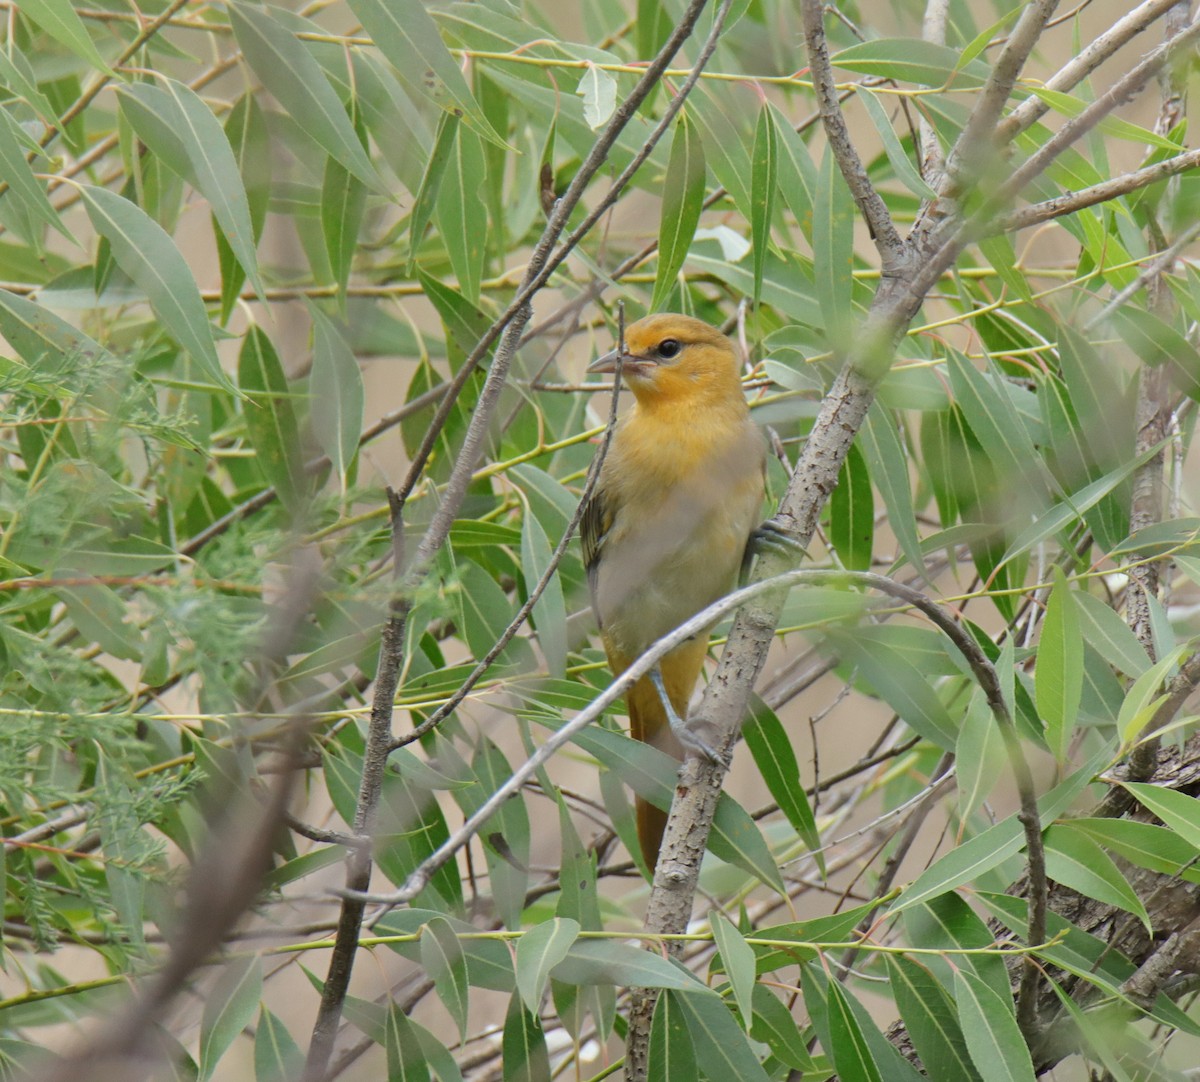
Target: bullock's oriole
[(667, 527)]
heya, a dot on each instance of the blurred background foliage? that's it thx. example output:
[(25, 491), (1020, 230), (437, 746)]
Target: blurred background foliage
[(243, 248)]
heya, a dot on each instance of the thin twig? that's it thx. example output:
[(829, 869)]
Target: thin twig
[(892, 251)]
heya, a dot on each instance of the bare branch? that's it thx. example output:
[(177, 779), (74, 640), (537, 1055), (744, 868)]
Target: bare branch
[(1080, 66), (888, 241)]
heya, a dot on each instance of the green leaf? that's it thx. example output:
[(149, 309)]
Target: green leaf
[(848, 1044), (1070, 106), (930, 1017), (443, 959), (1076, 861), (461, 213), (604, 961), (1146, 844), (60, 20), (550, 611), (288, 70), (852, 513), (683, 198), (599, 92), (1110, 635), (776, 762), (773, 1024), (173, 122), (910, 60), (40, 337), (721, 1047), (100, 616), (539, 950), (764, 166), (146, 252), (524, 1045), (833, 252), (737, 959), (888, 460), (991, 1032), (1177, 810), (1058, 679), (671, 1053), (270, 418), (336, 389), (976, 752), (426, 199), (228, 1009), (22, 184), (1144, 696), (277, 1058), (405, 1057), (903, 167), (406, 34), (1157, 342), (724, 148), (343, 204)]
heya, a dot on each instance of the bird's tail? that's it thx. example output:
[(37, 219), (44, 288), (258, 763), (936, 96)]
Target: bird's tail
[(648, 723)]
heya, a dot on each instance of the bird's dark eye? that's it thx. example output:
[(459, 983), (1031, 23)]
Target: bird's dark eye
[(669, 347)]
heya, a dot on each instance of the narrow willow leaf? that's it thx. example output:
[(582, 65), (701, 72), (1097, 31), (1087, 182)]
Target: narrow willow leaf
[(773, 1024), (1177, 810), (796, 174), (182, 123), (539, 950), (604, 961), (724, 148), (38, 335), (405, 1057), (928, 1012), (431, 181), (910, 60), (289, 71), (1145, 844), (1144, 696), (852, 513), (683, 198), (833, 252), (550, 610), (146, 252), (246, 130), (993, 1037), (903, 167), (22, 184), (1058, 679), (775, 759), (599, 92), (671, 1053), (443, 959), (526, 1058), (737, 958), (720, 1044), (100, 616), (337, 394), (851, 1053), (60, 20), (764, 168), (277, 1058), (406, 34), (461, 213), (888, 459), (343, 203), (1078, 862), (1110, 635), (977, 752), (228, 1009), (270, 417)]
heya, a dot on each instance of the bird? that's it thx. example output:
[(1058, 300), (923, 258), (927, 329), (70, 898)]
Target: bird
[(669, 523)]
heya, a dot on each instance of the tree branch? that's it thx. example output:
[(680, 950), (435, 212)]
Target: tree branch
[(891, 247)]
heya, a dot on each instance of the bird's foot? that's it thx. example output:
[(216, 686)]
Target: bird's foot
[(683, 731), (773, 536)]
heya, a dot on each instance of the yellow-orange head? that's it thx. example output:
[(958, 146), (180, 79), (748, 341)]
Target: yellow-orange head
[(669, 358)]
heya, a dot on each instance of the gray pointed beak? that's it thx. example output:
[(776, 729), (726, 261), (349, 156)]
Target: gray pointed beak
[(608, 362)]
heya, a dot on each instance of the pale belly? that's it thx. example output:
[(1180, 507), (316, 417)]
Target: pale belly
[(657, 575)]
